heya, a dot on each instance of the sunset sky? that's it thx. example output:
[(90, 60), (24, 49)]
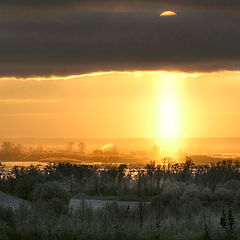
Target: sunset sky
[(119, 68)]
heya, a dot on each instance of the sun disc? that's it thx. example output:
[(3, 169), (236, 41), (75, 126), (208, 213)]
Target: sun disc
[(168, 13)]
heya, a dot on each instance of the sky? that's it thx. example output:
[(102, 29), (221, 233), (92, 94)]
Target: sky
[(77, 68)]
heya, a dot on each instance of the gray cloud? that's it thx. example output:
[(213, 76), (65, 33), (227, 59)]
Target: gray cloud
[(128, 5), (76, 42)]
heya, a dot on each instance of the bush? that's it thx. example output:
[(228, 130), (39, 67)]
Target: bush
[(172, 191), (191, 192), (50, 190), (223, 195)]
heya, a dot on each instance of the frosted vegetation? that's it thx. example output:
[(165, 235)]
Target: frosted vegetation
[(187, 201)]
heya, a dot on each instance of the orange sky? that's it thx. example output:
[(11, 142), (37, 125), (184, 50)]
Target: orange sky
[(138, 104)]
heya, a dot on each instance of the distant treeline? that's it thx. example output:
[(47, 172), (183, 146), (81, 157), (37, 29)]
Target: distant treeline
[(10, 151), (188, 201)]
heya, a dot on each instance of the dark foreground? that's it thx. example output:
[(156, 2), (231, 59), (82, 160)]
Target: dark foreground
[(185, 201)]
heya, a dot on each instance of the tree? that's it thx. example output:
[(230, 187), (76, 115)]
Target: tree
[(82, 147), (70, 146), (227, 221), (11, 151), (1, 170), (231, 219), (223, 220)]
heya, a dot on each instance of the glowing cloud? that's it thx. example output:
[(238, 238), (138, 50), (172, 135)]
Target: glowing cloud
[(28, 100)]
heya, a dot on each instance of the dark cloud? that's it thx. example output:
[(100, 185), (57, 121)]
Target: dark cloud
[(81, 42), (130, 5)]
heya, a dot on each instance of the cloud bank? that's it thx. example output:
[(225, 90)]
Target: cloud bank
[(78, 39), (127, 5)]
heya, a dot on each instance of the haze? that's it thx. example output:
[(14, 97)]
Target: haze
[(122, 104)]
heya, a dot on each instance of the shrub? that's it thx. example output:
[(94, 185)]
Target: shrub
[(50, 190)]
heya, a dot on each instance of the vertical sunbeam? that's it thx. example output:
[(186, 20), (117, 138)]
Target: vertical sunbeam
[(169, 112), (169, 109), (169, 117)]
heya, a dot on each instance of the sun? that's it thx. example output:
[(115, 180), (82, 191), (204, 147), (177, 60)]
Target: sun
[(168, 13)]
